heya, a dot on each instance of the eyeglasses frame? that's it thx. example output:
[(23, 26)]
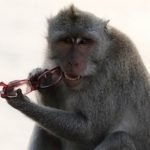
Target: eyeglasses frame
[(33, 87)]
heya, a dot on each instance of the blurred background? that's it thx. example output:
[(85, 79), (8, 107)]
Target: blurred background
[(23, 29)]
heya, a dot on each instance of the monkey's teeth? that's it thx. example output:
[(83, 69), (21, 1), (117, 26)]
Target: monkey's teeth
[(71, 78)]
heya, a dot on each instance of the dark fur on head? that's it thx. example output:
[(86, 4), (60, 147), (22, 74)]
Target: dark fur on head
[(72, 13), (76, 19)]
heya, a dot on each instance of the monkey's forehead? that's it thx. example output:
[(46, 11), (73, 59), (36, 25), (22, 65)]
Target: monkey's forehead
[(74, 19), (67, 24)]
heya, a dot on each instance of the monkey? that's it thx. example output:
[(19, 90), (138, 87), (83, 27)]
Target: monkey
[(103, 99)]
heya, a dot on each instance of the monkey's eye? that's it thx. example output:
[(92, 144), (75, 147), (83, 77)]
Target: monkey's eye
[(67, 40), (84, 41)]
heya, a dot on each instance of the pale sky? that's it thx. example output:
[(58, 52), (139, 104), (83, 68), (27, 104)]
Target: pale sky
[(22, 45)]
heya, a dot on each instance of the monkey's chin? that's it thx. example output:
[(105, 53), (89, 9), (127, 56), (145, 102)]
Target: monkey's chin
[(72, 80)]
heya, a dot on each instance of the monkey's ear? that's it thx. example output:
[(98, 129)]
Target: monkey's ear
[(107, 29), (48, 20)]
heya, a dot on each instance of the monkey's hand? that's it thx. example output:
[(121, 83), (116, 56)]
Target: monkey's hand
[(19, 101), (34, 74), (47, 79)]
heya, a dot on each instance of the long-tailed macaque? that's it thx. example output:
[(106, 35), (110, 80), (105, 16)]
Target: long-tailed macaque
[(103, 99)]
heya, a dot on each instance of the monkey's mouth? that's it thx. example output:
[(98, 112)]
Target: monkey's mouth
[(71, 77)]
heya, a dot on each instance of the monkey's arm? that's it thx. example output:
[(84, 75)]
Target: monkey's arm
[(65, 124)]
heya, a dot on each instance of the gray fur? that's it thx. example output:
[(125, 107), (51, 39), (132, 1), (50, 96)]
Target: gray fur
[(110, 110)]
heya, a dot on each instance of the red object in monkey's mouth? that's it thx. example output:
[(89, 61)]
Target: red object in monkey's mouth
[(72, 80)]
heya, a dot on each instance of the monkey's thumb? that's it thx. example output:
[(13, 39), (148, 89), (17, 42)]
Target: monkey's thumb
[(19, 93)]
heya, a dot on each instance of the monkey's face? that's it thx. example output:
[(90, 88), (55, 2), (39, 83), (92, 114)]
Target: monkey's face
[(77, 41), (72, 54)]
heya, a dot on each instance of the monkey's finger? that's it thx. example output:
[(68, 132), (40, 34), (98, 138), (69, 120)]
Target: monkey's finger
[(33, 75), (19, 93)]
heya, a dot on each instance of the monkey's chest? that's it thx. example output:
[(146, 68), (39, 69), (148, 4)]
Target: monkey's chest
[(70, 104)]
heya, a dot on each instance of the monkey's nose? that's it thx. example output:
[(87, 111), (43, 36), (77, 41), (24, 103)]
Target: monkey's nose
[(73, 63)]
